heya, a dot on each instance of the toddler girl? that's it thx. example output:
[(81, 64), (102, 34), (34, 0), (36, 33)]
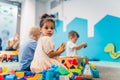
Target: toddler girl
[(45, 55)]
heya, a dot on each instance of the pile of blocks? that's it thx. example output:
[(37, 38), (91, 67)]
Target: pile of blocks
[(79, 68), (75, 68)]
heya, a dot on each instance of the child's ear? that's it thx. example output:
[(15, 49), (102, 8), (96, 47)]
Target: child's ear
[(70, 37)]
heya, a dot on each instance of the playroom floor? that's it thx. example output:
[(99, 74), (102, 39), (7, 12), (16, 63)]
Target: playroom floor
[(108, 70)]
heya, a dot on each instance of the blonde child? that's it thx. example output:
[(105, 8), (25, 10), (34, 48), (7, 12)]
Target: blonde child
[(27, 50), (45, 53), (13, 43), (71, 47)]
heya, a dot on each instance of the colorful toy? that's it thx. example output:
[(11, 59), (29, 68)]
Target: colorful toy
[(29, 73), (11, 77), (4, 58), (62, 46), (62, 70), (4, 69), (22, 78), (54, 72), (87, 72), (111, 50), (9, 58), (78, 78), (78, 71), (1, 77), (95, 73), (19, 74)]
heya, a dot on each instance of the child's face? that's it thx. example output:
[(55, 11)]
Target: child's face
[(47, 29), (74, 39)]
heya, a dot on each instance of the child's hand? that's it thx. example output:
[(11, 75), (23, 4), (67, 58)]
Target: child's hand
[(61, 48), (84, 44), (58, 51)]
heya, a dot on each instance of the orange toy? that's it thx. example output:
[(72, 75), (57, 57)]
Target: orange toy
[(62, 46), (19, 74)]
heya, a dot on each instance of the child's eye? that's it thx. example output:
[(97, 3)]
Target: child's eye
[(52, 28), (46, 27)]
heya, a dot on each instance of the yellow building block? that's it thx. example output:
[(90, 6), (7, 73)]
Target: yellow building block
[(19, 74), (4, 69), (70, 74), (38, 76), (32, 78)]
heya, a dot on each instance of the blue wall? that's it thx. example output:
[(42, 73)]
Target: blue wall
[(105, 31)]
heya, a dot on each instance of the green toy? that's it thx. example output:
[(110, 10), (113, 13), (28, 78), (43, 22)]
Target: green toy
[(62, 70), (111, 50), (75, 70)]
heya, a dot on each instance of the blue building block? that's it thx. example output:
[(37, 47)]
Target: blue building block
[(29, 73), (95, 73), (50, 75), (11, 77), (5, 75), (44, 74), (22, 78)]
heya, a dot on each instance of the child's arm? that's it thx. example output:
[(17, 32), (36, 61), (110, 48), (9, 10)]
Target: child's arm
[(80, 46), (55, 53), (58, 51)]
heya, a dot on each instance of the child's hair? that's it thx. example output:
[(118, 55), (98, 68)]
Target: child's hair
[(73, 34), (46, 18), (34, 31)]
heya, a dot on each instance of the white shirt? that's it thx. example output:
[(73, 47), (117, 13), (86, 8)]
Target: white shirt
[(70, 51)]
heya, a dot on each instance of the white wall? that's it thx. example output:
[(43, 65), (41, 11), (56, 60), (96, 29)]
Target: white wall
[(27, 19), (92, 10), (30, 14), (40, 10)]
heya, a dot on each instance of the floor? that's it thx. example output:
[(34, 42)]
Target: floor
[(108, 70)]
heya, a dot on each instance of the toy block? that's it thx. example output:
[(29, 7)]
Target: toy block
[(95, 73), (49, 75), (1, 77), (11, 77), (5, 75), (19, 74), (4, 69), (74, 62), (62, 70), (63, 77), (22, 78), (93, 66), (75, 70), (40, 79), (38, 76), (78, 78), (87, 73), (62, 46), (70, 74), (29, 73), (44, 74), (32, 78)]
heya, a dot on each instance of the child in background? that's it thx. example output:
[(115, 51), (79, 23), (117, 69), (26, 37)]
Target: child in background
[(13, 43), (71, 47), (45, 55), (27, 50)]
